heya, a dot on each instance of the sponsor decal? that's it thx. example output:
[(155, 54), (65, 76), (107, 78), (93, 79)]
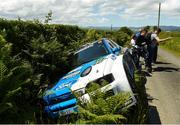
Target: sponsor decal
[(113, 57)]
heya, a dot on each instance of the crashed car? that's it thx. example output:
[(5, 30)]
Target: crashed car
[(102, 59)]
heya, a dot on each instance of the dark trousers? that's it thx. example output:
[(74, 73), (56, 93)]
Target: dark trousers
[(150, 52), (155, 53), (142, 52)]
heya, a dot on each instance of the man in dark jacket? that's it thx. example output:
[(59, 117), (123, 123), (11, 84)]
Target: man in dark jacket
[(141, 46)]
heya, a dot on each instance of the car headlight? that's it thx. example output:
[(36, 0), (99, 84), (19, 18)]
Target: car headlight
[(86, 71)]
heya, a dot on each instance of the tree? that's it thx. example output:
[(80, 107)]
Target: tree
[(120, 37), (126, 30), (92, 34), (48, 17)]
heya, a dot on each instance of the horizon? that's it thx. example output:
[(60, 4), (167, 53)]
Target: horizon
[(16, 19)]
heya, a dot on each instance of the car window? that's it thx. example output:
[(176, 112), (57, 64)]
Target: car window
[(89, 53)]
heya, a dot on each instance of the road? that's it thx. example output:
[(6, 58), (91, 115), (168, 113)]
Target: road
[(163, 88)]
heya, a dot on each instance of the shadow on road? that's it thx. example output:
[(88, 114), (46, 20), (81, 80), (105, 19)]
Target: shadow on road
[(160, 62), (165, 69), (154, 115)]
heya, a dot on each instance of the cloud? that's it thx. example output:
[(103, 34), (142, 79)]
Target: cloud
[(87, 12)]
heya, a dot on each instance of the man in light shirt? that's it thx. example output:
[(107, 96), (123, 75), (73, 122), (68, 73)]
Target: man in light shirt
[(155, 40), (133, 40)]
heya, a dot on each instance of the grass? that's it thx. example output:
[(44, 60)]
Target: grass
[(172, 45)]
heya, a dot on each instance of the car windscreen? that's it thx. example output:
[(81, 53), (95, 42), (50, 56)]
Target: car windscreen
[(89, 53)]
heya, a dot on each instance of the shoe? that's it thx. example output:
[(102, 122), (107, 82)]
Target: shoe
[(149, 70), (148, 74)]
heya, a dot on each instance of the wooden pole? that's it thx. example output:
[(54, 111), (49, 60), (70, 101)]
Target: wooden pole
[(159, 14)]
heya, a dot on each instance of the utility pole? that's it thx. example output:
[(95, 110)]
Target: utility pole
[(159, 14)]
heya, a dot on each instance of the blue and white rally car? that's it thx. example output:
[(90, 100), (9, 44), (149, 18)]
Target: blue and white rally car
[(94, 62)]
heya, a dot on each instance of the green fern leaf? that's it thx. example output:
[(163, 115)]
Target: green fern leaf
[(3, 69)]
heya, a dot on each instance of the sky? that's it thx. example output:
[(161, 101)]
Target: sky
[(94, 12)]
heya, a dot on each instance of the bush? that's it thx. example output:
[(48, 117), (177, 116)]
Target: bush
[(32, 56)]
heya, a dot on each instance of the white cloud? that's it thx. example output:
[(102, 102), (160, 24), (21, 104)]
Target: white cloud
[(87, 12)]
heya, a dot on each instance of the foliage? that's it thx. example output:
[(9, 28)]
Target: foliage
[(33, 56), (48, 17), (14, 79), (147, 28), (141, 111), (126, 30), (121, 38), (102, 109), (92, 34), (173, 44)]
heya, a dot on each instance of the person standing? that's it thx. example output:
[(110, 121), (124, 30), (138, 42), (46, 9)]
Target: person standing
[(155, 40), (141, 46)]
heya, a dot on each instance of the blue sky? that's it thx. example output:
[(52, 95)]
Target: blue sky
[(94, 12)]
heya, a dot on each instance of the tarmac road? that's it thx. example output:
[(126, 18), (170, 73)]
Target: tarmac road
[(163, 88)]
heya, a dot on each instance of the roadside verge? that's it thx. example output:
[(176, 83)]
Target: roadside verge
[(171, 58)]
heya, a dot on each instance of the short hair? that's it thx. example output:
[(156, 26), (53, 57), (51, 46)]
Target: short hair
[(144, 30), (158, 30)]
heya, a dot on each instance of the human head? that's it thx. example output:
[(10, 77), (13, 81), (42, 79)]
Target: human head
[(143, 32), (158, 30)]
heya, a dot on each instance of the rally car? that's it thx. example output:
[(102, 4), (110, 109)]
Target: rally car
[(102, 59)]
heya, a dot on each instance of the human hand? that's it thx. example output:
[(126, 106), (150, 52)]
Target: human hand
[(169, 37)]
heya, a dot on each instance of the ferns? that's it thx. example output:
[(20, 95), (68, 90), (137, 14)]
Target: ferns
[(3, 69), (102, 109)]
